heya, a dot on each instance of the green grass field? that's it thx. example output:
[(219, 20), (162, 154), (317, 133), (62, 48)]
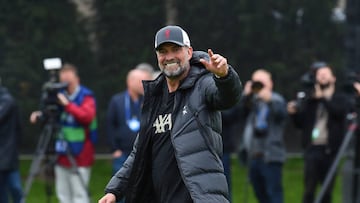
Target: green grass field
[(292, 183), (242, 192)]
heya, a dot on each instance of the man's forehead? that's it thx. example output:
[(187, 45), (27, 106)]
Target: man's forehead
[(261, 75), (137, 73), (67, 71), (168, 45), (325, 70)]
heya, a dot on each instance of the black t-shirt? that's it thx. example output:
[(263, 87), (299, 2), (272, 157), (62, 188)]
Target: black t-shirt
[(168, 184)]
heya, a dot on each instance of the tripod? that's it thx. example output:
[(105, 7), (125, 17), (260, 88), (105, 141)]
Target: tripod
[(330, 175), (50, 131)]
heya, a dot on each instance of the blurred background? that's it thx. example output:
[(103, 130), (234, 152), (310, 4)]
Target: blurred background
[(107, 38)]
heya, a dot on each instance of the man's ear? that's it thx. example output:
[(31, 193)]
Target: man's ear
[(190, 52)]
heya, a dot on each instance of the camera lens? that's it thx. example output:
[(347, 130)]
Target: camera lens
[(256, 86)]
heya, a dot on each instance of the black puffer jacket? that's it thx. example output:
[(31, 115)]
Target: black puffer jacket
[(338, 107), (195, 137)]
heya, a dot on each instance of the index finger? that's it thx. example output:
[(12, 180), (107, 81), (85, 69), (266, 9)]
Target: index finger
[(210, 52)]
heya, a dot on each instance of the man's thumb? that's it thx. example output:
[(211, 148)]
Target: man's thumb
[(204, 62)]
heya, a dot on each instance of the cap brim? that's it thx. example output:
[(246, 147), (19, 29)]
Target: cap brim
[(170, 41)]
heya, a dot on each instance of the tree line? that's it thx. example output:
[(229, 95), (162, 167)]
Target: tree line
[(107, 38)]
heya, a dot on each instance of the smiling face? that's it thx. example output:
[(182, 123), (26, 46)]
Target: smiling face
[(173, 59)]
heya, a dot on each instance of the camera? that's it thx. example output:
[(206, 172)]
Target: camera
[(52, 87), (256, 87), (307, 81)]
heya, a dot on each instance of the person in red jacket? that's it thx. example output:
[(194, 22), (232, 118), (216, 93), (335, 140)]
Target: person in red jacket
[(78, 134)]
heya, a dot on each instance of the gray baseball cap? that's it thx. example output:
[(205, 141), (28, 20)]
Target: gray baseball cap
[(173, 34)]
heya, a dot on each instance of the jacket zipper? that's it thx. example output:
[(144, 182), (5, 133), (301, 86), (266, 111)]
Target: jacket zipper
[(175, 152)]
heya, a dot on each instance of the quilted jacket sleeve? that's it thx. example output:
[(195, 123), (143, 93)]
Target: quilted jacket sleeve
[(118, 183), (223, 93)]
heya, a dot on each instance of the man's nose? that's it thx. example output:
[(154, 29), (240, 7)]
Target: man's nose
[(169, 56)]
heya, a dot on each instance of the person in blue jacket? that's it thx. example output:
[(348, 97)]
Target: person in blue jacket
[(265, 113), (123, 117)]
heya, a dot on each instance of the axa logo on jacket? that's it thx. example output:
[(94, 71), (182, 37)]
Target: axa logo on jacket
[(163, 123)]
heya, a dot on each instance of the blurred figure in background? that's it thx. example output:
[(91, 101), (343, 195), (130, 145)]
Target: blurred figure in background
[(10, 131), (145, 67), (123, 116), (231, 133), (78, 127), (321, 117), (265, 112), (148, 68)]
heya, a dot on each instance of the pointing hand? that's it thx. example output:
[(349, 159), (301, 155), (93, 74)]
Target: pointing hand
[(217, 64)]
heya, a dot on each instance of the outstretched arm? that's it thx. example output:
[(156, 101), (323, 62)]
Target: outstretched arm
[(224, 89)]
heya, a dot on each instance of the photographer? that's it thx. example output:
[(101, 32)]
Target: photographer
[(321, 117), (78, 127), (265, 113)]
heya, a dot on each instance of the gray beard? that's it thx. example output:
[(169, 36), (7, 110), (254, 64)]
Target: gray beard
[(175, 74)]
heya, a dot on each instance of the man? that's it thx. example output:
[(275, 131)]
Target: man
[(265, 113), (123, 116), (145, 67), (176, 157), (10, 131), (321, 117), (76, 140), (231, 123)]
